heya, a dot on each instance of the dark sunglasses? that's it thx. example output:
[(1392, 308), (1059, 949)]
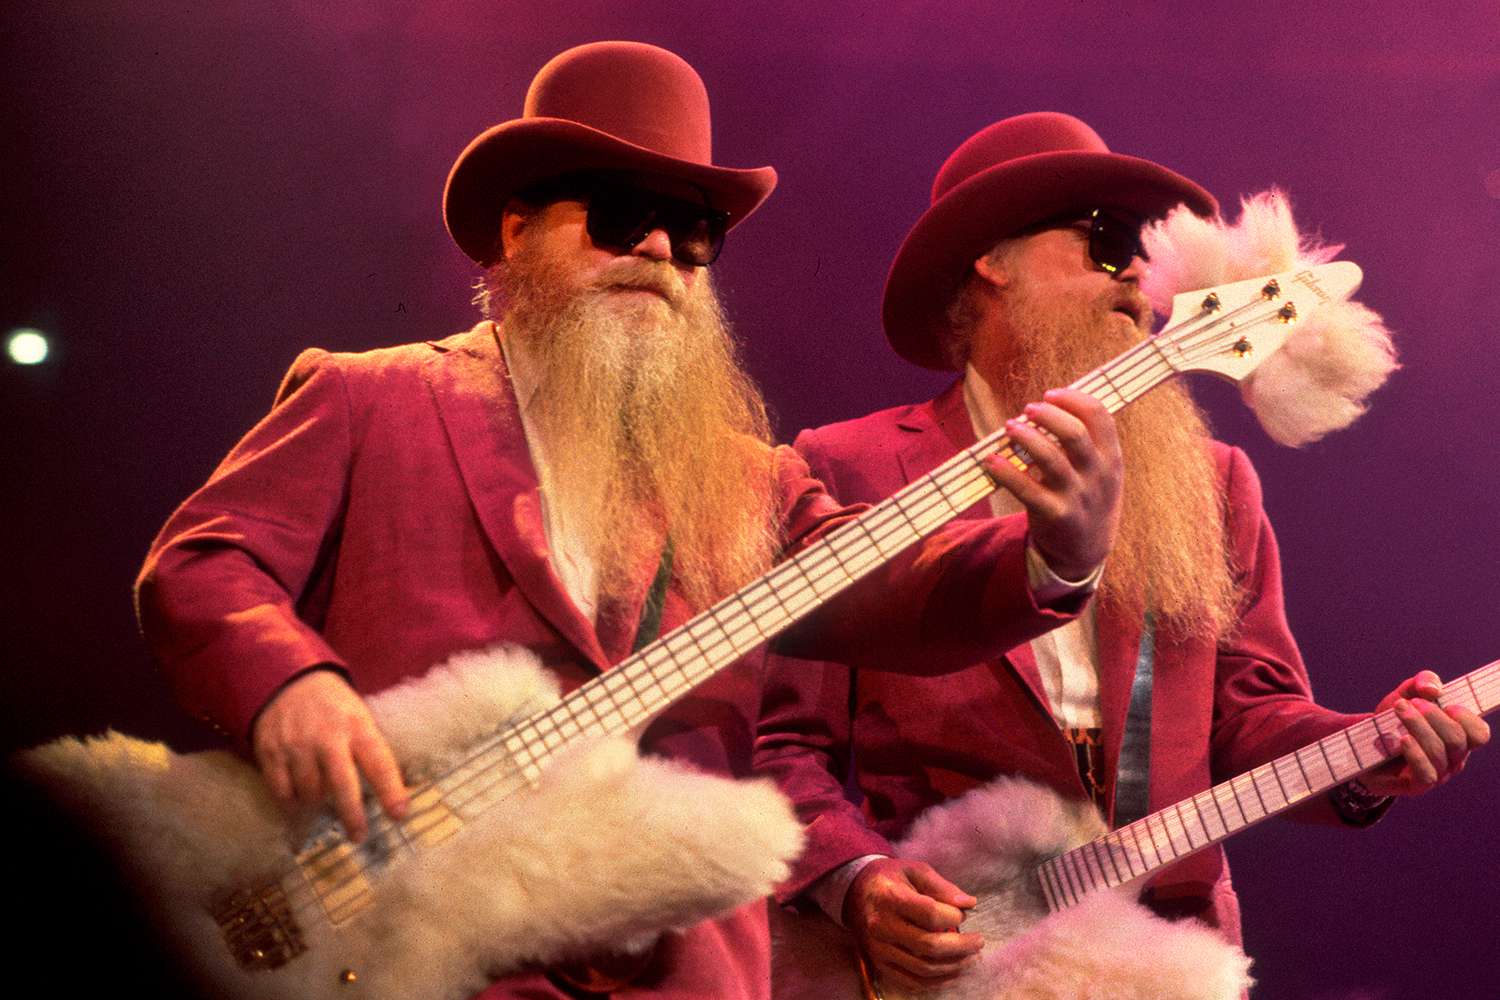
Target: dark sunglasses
[(1113, 241), (622, 215)]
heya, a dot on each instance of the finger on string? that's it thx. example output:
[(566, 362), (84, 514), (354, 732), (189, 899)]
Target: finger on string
[(1067, 432), (1047, 463), (1424, 730), (929, 882), (1475, 728), (373, 757), (1094, 415), (344, 790), (926, 913)]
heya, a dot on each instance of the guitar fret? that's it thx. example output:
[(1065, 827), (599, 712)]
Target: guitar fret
[(1234, 800), (1046, 884), (1166, 833), (1255, 787), (1070, 879), (1075, 877), (1059, 887), (1187, 828), (1091, 879), (1306, 781), (1109, 855), (1287, 795), (1353, 749), (1135, 832), (1155, 845), (1218, 811), (1117, 842)]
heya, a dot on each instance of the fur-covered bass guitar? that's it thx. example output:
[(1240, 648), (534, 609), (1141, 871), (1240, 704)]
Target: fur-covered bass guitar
[(1056, 891), (488, 871)]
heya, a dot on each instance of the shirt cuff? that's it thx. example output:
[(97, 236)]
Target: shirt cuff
[(829, 891), (1049, 588)]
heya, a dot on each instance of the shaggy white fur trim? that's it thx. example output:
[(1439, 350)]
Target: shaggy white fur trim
[(1333, 360), (610, 850), (1107, 947)]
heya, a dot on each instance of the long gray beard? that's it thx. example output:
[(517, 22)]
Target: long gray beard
[(651, 426)]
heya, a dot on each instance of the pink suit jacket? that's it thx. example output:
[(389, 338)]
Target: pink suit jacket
[(385, 515), (916, 741)]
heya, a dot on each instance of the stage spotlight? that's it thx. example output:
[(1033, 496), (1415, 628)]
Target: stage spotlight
[(26, 346)]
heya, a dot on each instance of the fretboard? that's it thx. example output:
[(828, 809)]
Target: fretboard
[(1137, 849), (623, 698)]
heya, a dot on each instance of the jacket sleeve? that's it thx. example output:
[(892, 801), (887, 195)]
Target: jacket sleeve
[(1263, 704), (218, 596)]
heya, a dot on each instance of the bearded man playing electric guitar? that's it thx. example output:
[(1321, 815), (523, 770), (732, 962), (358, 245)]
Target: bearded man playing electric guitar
[(584, 468), (1023, 275)]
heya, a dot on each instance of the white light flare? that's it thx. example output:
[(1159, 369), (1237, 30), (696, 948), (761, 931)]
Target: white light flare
[(26, 346)]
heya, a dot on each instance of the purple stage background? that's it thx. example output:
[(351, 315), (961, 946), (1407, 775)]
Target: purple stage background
[(193, 192)]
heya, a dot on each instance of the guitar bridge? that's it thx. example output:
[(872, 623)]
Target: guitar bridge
[(259, 928)]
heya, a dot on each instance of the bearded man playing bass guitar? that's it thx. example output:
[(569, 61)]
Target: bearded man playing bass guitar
[(586, 465), (1023, 275)]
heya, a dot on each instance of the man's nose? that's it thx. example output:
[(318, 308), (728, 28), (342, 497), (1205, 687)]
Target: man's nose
[(656, 245), (1133, 271)]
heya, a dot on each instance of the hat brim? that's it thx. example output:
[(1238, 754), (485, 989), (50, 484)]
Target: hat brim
[(971, 218), (513, 155)]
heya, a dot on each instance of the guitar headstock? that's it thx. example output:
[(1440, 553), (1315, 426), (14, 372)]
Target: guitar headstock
[(1230, 329)]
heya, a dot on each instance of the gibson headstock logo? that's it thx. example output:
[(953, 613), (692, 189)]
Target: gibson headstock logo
[(1310, 281)]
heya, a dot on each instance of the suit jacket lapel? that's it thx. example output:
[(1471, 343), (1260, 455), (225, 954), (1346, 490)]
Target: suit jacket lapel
[(473, 395), (939, 429)]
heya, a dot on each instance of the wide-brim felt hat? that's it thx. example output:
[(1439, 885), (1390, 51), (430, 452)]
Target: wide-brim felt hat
[(1010, 175), (602, 106)]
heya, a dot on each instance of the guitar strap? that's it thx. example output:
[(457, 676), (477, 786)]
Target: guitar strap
[(649, 626), (1133, 773)]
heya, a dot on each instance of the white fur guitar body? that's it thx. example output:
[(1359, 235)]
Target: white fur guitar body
[(607, 849), (991, 841)]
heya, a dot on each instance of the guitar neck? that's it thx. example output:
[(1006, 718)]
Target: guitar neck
[(622, 699), (1138, 849)]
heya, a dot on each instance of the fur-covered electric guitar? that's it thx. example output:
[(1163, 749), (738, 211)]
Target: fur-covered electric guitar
[(489, 872), (1056, 890)]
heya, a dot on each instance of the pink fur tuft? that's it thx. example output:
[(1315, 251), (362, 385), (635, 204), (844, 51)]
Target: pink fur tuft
[(1320, 380)]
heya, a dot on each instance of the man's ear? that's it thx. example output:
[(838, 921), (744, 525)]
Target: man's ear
[(992, 270), (513, 222)]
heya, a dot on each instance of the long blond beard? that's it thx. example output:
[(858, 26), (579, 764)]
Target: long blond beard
[(1171, 555), (653, 430)]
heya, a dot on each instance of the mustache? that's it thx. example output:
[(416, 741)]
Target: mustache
[(634, 273), (1133, 301)]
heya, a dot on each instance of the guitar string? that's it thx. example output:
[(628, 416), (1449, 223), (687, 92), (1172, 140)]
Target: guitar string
[(1142, 355), (1478, 691), (1138, 369), (1465, 691)]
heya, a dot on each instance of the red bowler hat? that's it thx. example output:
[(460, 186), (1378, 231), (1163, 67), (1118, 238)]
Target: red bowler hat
[(602, 106), (1005, 177)]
